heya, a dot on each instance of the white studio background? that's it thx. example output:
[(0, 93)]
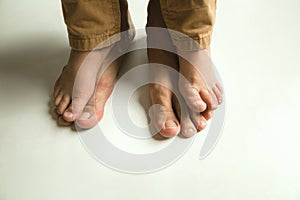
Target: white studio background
[(256, 48)]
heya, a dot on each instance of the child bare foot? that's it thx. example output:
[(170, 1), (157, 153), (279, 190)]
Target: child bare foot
[(203, 91)]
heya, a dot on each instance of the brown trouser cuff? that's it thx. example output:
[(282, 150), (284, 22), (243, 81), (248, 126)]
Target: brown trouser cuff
[(88, 44)]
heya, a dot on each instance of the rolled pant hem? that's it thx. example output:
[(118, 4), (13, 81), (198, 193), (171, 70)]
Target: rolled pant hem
[(202, 41), (99, 42), (94, 42)]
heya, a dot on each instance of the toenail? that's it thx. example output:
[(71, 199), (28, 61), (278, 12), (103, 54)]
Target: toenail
[(202, 124), (189, 132), (215, 106), (200, 103), (170, 124), (68, 114), (58, 111), (85, 116)]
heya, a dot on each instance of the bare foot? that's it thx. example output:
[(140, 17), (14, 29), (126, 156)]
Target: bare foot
[(165, 119), (94, 110), (172, 117), (76, 84), (86, 83), (203, 91)]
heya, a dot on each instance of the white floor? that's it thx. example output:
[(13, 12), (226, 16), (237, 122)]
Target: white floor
[(256, 47)]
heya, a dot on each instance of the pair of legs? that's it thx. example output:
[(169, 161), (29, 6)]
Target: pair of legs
[(85, 103)]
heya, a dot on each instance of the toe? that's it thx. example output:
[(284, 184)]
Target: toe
[(188, 128), (192, 98), (58, 98), (63, 104), (68, 115), (88, 117), (56, 92), (62, 122), (199, 120), (165, 120), (207, 97), (77, 106), (94, 110), (207, 114), (218, 85), (218, 94), (214, 100)]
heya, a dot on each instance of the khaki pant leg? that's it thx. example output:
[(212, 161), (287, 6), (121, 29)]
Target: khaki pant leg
[(194, 18), (92, 22)]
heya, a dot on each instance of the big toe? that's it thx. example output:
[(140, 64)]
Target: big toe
[(165, 120), (94, 110), (192, 97), (88, 118), (75, 109)]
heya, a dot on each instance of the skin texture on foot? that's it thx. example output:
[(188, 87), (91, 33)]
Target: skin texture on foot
[(204, 91), (82, 89), (94, 110), (172, 117), (165, 120), (191, 122), (76, 84), (167, 123)]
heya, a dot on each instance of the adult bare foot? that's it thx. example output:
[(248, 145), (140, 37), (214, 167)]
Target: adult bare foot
[(94, 109), (191, 122), (76, 84), (203, 90), (86, 83), (172, 117), (165, 119)]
